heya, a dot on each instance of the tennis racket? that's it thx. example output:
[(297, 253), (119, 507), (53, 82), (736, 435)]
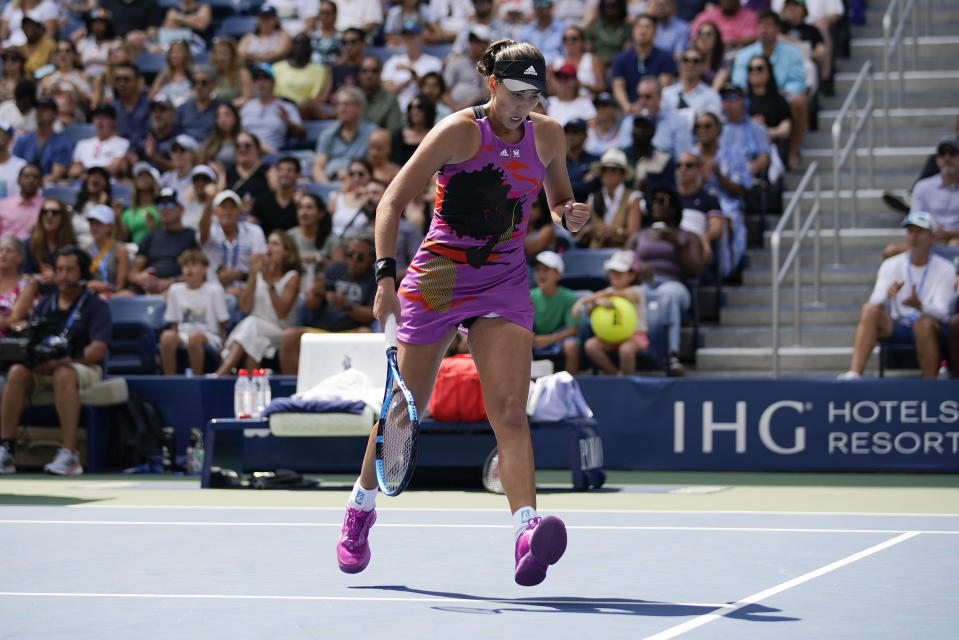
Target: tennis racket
[(398, 426)]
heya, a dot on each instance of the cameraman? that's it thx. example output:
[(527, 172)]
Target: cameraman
[(85, 321)]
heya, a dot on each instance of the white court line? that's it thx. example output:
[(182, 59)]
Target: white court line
[(755, 598), (508, 601), (446, 525)]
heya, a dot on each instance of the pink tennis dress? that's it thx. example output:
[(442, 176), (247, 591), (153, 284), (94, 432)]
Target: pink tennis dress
[(471, 263)]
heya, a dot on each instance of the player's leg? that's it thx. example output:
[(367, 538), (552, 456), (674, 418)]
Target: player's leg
[(499, 349)]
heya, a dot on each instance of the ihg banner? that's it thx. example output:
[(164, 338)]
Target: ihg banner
[(777, 425)]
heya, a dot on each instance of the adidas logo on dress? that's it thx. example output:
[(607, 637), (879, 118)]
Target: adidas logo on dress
[(530, 71), (504, 153)]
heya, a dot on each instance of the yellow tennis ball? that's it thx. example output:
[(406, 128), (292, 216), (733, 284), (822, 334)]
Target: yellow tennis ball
[(616, 324)]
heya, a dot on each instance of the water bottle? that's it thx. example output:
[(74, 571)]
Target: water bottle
[(267, 391), (194, 452), (256, 386), (168, 448), (242, 395), (943, 370)]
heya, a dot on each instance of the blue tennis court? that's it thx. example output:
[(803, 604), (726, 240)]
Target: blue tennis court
[(86, 569)]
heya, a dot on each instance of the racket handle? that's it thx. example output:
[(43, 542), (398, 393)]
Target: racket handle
[(390, 330)]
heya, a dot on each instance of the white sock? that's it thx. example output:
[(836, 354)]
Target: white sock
[(521, 520), (361, 498)]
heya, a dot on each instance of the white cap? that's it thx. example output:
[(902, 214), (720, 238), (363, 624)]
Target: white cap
[(203, 170), (187, 142), (551, 259), (140, 167), (620, 261), (919, 219), (102, 213), (227, 194)]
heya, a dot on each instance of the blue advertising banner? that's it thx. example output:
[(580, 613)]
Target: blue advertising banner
[(777, 425)]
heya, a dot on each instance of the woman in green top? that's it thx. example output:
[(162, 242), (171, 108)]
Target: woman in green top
[(234, 84), (142, 215), (610, 32), (313, 236)]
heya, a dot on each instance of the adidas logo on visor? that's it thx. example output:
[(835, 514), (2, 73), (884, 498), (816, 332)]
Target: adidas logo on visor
[(530, 71)]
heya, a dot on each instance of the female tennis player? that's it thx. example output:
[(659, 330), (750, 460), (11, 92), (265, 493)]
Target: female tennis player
[(470, 272)]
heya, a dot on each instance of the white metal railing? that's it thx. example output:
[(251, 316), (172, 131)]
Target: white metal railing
[(792, 261), (893, 28), (859, 117)]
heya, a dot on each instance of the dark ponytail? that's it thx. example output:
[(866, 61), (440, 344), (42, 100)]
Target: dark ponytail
[(506, 49)]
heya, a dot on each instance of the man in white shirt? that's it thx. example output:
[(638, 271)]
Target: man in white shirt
[(691, 96), (105, 149), (911, 301), (269, 119), (228, 242), (359, 14), (402, 72), (296, 16)]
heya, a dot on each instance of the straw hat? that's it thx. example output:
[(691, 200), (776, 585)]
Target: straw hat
[(616, 159)]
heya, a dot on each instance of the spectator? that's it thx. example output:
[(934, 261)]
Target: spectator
[(566, 102), (640, 61), (691, 96), (652, 166), (408, 11), (381, 109), (196, 311), (192, 15), (610, 32), (94, 45), (482, 16), (609, 129), (296, 16), (275, 208), (142, 215), (268, 42), (183, 158), (372, 194), (344, 140), (313, 233), (69, 112), (175, 81), (817, 56), (365, 15), (952, 330), (327, 42), (234, 84), (132, 105), (702, 212), (545, 32), (228, 242), (672, 255), (823, 15), (726, 176), (20, 113), (85, 320), (451, 16), (420, 118), (155, 267), (105, 149), (541, 232), (199, 195), (378, 155), (401, 70), (39, 11), (269, 299), (910, 302), (672, 32), (790, 76), (466, 84), (433, 86), (554, 327), (94, 189), (347, 206), (623, 278), (110, 265), (766, 104), (196, 116), (17, 291), (136, 21), (38, 45), (271, 120), (248, 177), (157, 145), (340, 300), (302, 82), (346, 71), (672, 130), (736, 24), (50, 150), (589, 68), (743, 133), (51, 232), (19, 212), (579, 161), (103, 85), (10, 165), (67, 68), (614, 207), (13, 73), (710, 45), (221, 145)]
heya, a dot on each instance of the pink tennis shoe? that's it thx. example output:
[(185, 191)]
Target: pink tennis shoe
[(542, 544), (353, 549)]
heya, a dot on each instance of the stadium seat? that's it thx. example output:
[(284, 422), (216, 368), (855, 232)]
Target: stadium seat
[(137, 321), (123, 192), (383, 53), (150, 64), (66, 193), (584, 268), (237, 26), (77, 132), (313, 130), (324, 190), (441, 51)]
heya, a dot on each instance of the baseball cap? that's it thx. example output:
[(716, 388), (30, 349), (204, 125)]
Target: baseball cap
[(266, 10), (167, 193), (948, 141), (26, 18), (227, 194), (521, 75), (919, 219), (47, 102), (140, 167), (605, 99), (621, 261), (102, 213), (6, 128), (186, 141), (202, 170), (730, 89), (411, 26), (161, 101), (551, 259), (576, 124), (480, 32), (105, 110), (262, 67), (567, 69)]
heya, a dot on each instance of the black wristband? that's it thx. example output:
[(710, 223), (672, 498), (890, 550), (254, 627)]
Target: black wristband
[(385, 268), (563, 221)]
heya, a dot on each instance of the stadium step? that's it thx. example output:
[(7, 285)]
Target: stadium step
[(884, 158), (810, 315), (896, 179), (929, 46), (872, 237), (915, 81), (750, 337), (831, 295), (851, 256), (941, 118), (791, 359), (829, 275), (911, 137)]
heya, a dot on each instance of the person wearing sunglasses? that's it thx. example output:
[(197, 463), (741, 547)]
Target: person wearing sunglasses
[(640, 61), (382, 108), (272, 120), (346, 69), (346, 207), (589, 68), (691, 95), (344, 140), (196, 116), (155, 267), (52, 230)]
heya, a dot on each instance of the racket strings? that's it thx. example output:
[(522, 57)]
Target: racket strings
[(397, 447)]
